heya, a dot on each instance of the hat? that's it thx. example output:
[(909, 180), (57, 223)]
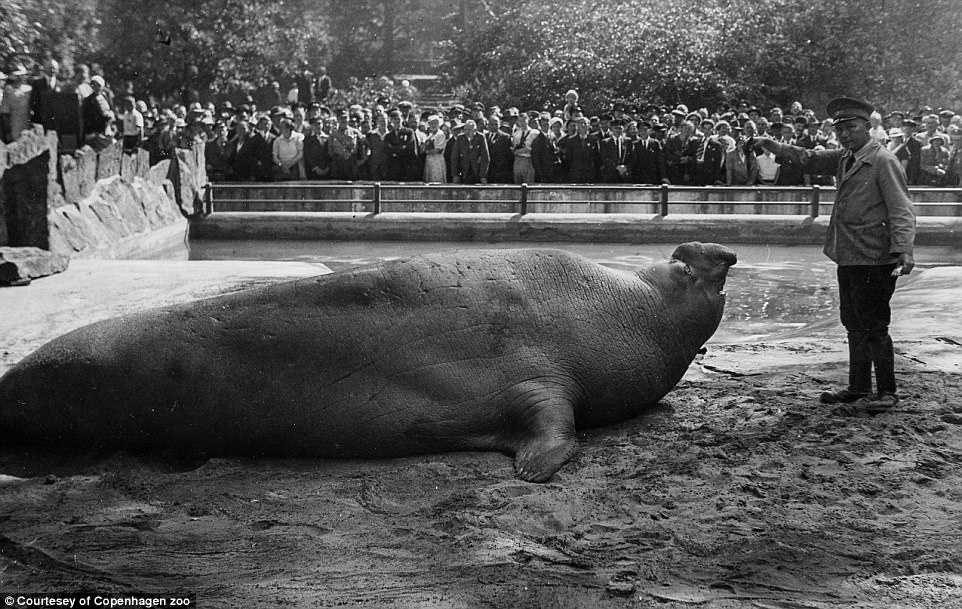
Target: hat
[(405, 104), (947, 113), (895, 132), (555, 121), (477, 106), (97, 78), (937, 136), (843, 109), (511, 112), (533, 114), (180, 123), (909, 123)]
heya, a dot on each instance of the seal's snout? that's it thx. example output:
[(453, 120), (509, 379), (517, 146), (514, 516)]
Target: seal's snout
[(705, 255)]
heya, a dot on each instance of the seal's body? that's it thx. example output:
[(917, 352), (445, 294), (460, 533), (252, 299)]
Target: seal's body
[(503, 350)]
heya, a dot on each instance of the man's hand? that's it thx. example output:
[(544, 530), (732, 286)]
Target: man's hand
[(905, 265)]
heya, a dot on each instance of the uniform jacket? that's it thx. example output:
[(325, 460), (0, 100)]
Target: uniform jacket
[(873, 218)]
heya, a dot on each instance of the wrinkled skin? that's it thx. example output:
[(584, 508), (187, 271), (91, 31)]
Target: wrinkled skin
[(504, 350)]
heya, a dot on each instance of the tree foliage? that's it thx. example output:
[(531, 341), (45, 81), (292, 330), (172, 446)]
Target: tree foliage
[(899, 53)]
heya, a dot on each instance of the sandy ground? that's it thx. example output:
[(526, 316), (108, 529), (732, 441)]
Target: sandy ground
[(738, 490)]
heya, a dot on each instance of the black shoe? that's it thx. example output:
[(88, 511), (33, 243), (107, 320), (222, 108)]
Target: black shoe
[(843, 396), (881, 402)]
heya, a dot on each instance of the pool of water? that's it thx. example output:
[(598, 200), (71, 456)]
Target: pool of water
[(772, 291)]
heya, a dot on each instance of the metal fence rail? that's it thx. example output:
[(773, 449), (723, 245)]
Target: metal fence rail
[(275, 196)]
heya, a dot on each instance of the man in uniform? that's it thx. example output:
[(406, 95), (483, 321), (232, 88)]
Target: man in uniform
[(870, 236)]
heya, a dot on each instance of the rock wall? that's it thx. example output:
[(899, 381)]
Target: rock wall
[(89, 204)]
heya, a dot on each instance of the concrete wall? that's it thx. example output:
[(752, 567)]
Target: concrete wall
[(103, 204)]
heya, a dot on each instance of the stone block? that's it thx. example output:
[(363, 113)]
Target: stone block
[(65, 236), (86, 170), (159, 173), (109, 160), (4, 158), (22, 264), (159, 208), (70, 176), (105, 210)]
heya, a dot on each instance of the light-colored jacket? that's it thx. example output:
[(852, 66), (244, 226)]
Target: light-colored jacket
[(873, 219)]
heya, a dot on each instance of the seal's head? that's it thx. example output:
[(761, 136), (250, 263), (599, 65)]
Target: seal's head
[(705, 265)]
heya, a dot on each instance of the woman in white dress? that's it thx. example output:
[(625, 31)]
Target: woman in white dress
[(434, 167)]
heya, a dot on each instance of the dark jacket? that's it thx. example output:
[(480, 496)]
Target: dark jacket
[(471, 159), (646, 162)]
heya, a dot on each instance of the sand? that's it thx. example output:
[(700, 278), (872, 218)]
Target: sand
[(739, 490)]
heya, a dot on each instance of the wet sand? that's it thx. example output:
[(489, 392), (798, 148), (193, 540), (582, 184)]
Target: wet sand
[(739, 490)]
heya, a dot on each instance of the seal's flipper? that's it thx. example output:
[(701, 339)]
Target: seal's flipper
[(540, 458), (548, 439)]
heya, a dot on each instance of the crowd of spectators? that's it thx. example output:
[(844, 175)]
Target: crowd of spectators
[(302, 134)]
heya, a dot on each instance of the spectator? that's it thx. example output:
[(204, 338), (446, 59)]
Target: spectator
[(877, 131), (739, 171), (613, 153), (262, 150), (544, 151), (347, 148), (913, 171), (46, 84), (470, 156), (240, 156), (96, 113), (401, 145), (15, 105), (954, 175), (680, 152), (522, 139), (317, 156), (288, 153), (501, 156), (132, 125), (709, 157), (580, 155), (217, 154), (434, 167), (934, 161), (647, 159), (376, 166)]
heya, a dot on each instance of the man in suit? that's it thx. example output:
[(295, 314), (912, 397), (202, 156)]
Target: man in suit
[(42, 87), (646, 161), (401, 146), (262, 150), (613, 151), (580, 154), (544, 151), (680, 149), (709, 157), (501, 170), (470, 159)]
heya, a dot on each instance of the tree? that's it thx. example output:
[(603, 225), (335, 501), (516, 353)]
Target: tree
[(227, 41)]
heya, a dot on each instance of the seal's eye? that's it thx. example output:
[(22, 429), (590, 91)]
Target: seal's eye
[(688, 270)]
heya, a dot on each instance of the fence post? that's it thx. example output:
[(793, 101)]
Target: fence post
[(524, 199), (377, 198), (208, 199), (664, 199), (813, 211)]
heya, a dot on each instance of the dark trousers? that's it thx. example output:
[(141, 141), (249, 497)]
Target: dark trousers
[(864, 295)]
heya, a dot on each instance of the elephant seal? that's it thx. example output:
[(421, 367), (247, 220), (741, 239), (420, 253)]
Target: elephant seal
[(502, 350)]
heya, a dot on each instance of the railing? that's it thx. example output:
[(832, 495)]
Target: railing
[(375, 198)]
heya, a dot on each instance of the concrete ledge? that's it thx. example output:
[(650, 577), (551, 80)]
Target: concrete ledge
[(612, 228)]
